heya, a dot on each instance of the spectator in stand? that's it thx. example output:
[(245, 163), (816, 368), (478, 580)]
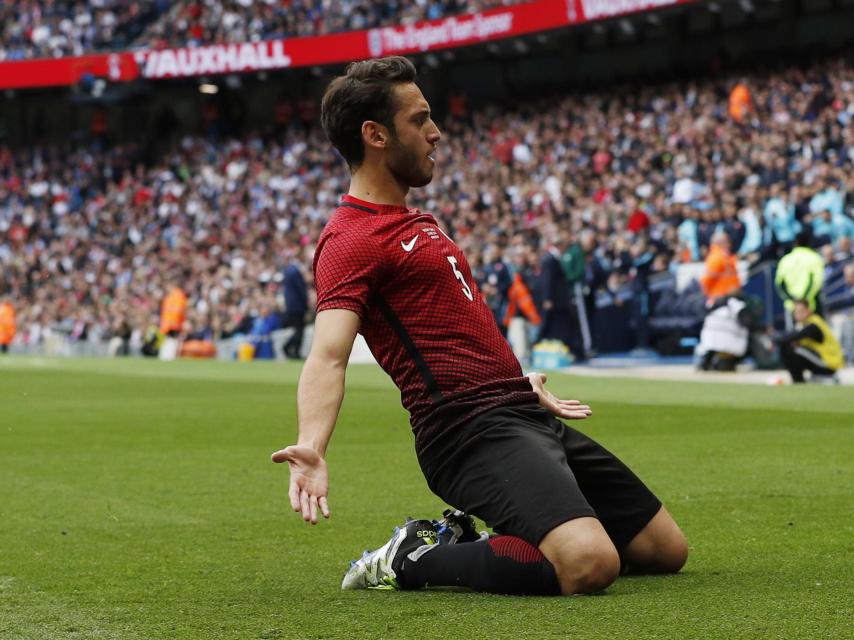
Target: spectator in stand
[(493, 281), (780, 223), (642, 262), (843, 320), (751, 245), (522, 313), (721, 274), (220, 21), (47, 29), (689, 242), (827, 198), (87, 230), (740, 102), (731, 224), (265, 322), (707, 227)]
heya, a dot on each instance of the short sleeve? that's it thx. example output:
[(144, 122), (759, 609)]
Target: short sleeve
[(347, 270)]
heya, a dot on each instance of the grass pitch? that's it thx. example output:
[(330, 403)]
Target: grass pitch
[(137, 500)]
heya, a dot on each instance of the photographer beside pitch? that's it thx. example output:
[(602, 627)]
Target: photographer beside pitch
[(568, 513)]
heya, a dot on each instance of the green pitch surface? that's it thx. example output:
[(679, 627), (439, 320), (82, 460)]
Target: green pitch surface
[(137, 500)]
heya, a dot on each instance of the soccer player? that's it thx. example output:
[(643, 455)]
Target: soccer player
[(488, 439)]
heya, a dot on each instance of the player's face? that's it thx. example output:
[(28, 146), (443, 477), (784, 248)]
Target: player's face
[(801, 312), (409, 153)]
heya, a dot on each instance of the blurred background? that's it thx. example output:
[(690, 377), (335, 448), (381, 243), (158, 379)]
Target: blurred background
[(164, 179)]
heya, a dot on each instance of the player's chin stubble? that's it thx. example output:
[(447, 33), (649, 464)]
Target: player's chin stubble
[(407, 167)]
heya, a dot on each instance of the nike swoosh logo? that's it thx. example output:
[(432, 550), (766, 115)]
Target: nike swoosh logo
[(408, 246)]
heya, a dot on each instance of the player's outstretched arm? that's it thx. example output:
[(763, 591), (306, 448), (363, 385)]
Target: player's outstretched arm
[(568, 409), (319, 396)]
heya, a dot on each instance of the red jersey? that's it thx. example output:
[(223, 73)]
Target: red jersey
[(422, 316)]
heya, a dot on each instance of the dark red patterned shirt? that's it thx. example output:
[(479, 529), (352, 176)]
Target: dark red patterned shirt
[(422, 316)]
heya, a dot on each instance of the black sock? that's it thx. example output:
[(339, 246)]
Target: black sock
[(501, 564)]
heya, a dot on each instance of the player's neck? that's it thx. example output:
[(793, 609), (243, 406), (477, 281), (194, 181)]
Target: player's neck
[(373, 184)]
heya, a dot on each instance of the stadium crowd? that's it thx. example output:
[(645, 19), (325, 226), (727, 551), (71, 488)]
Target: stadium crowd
[(615, 185), (208, 22), (49, 29)]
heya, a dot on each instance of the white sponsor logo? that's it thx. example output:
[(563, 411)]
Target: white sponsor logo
[(408, 246), (595, 9), (446, 32), (375, 43), (226, 58), (114, 67)]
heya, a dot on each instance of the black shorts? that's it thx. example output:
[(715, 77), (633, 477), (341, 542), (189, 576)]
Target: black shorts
[(524, 472)]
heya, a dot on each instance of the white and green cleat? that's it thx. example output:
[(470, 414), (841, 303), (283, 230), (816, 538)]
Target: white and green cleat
[(379, 569)]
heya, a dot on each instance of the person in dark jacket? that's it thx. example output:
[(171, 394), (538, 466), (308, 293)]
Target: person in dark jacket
[(296, 306), (573, 264), (596, 274), (551, 293)]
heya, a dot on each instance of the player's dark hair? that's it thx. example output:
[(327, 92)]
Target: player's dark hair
[(364, 92)]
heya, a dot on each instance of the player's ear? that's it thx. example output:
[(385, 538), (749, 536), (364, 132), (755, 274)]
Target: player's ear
[(374, 134)]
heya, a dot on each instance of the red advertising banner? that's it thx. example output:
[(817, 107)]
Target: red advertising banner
[(59, 72), (252, 56), (588, 10), (459, 31), (454, 31)]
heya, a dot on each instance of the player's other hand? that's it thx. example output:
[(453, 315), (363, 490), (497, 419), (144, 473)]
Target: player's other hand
[(309, 481), (568, 409)]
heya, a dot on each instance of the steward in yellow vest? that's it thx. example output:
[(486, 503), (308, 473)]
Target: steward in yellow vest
[(800, 274), (811, 347)]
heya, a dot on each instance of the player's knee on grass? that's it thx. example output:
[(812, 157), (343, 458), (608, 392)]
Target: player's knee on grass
[(674, 556), (583, 556), (659, 548), (591, 571)]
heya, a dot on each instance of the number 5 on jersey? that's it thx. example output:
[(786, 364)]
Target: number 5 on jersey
[(459, 275)]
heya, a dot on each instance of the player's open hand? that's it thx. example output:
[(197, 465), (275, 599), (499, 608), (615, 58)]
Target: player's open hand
[(568, 409), (309, 481)]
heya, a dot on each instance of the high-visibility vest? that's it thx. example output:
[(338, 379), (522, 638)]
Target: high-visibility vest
[(721, 277), (173, 310), (800, 275), (7, 323), (829, 349), (519, 297)]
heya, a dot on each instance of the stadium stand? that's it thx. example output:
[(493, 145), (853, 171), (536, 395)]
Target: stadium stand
[(92, 236), (43, 29), (193, 23)]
